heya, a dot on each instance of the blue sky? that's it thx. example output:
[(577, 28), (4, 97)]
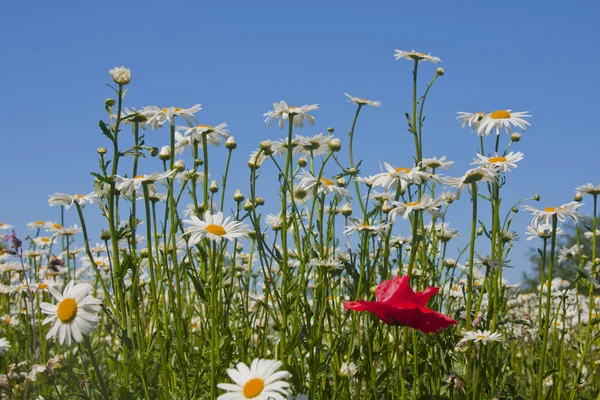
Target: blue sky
[(237, 58)]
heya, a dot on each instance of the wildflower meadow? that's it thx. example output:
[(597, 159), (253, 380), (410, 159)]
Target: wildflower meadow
[(344, 283)]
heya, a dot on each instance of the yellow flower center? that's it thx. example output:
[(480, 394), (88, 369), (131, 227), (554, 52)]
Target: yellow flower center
[(405, 170), (412, 204), (207, 127), (39, 222), (79, 196), (326, 181), (500, 114), (552, 209), (67, 310), (6, 320), (253, 387), (215, 230), (45, 240), (480, 337), (42, 286), (138, 177), (177, 109), (1, 224), (496, 159), (57, 226)]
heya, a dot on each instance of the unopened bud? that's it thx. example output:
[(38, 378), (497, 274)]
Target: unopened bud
[(248, 206), (165, 153), (105, 235), (198, 162), (353, 171), (302, 162), (214, 187), (267, 147), (536, 197), (144, 252), (230, 143), (450, 263), (578, 197), (386, 208), (330, 130), (335, 144), (260, 201), (179, 165), (341, 182), (120, 75), (346, 210), (154, 152), (440, 71), (515, 137), (238, 196), (101, 150), (479, 231), (372, 289), (515, 210), (109, 102)]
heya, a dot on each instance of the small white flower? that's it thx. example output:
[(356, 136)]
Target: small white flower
[(67, 200), (214, 227), (324, 185), (413, 55), (120, 75), (362, 102), (503, 119), (4, 346), (568, 210), (500, 163), (260, 381), (348, 370), (158, 116), (484, 337), (589, 188), (282, 112)]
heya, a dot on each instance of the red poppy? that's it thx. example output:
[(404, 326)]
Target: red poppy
[(397, 304)]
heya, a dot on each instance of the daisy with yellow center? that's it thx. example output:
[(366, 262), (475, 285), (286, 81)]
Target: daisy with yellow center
[(482, 336), (323, 185), (260, 381), (43, 241), (75, 315), (35, 225), (128, 187), (391, 176), (362, 102), (312, 145), (214, 227), (158, 116), (357, 225), (503, 119), (416, 56), (194, 135), (472, 119), (67, 200), (568, 210), (282, 112), (426, 204), (500, 163), (4, 226), (474, 175), (589, 188)]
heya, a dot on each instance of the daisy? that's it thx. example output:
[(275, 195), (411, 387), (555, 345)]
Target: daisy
[(214, 227), (282, 111), (261, 381), (503, 119), (413, 55), (301, 194), (426, 203), (483, 337), (362, 102), (67, 200), (478, 174), (568, 210), (357, 225), (589, 188), (348, 370), (5, 227), (189, 140), (158, 116), (543, 231), (590, 235), (436, 163), (391, 177), (35, 225), (367, 180), (315, 145), (4, 346), (75, 314), (324, 185), (472, 119), (129, 186), (214, 134), (501, 163), (328, 264), (120, 75), (43, 241)]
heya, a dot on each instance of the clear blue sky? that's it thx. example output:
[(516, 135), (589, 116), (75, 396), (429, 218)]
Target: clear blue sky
[(237, 58)]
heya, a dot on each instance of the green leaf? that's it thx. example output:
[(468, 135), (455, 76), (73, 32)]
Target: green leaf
[(105, 131)]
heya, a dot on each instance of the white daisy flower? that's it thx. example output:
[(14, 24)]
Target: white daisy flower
[(32, 225), (129, 186), (158, 116), (503, 119), (348, 369), (391, 176), (189, 140), (67, 200), (214, 134), (590, 235), (120, 75), (324, 185), (436, 163), (482, 336), (472, 119), (413, 55), (589, 188), (426, 204), (282, 112), (356, 225), (543, 231), (214, 227), (501, 163), (5, 227), (261, 381), (75, 314), (478, 174), (315, 145), (362, 102), (43, 241), (568, 210), (367, 180), (4, 346)]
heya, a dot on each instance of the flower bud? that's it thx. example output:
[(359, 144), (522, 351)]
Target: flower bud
[(515, 137), (346, 210), (386, 208), (144, 252), (248, 206), (515, 210), (198, 162), (330, 130), (260, 201), (341, 182), (267, 147), (239, 247), (101, 150), (230, 143), (154, 152), (479, 231), (214, 187), (335, 144), (120, 75), (179, 165), (238, 196), (450, 263), (109, 102), (105, 235), (302, 162), (578, 197), (440, 71), (353, 171), (165, 153), (372, 289), (536, 197)]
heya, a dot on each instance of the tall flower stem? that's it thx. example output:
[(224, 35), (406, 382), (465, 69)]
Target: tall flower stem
[(351, 156)]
